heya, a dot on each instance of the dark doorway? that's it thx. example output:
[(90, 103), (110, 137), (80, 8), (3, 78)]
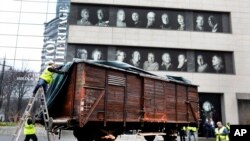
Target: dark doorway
[(244, 112), (210, 112)]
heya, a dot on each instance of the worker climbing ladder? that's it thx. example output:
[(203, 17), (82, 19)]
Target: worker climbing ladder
[(26, 114)]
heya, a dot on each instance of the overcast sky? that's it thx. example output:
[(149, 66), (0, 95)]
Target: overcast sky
[(21, 31)]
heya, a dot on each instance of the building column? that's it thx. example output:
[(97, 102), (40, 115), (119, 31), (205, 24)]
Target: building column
[(230, 106)]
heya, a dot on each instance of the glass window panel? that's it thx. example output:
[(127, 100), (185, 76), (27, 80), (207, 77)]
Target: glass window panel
[(50, 17), (54, 0), (40, 7), (52, 7), (33, 18), (10, 5), (40, 0), (36, 30), (8, 64), (7, 40), (28, 54), (7, 52), (30, 42), (28, 64), (9, 29), (9, 17)]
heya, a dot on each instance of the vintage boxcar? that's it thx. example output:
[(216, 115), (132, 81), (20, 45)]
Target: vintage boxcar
[(99, 98)]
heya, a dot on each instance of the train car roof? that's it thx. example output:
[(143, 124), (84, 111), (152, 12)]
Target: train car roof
[(116, 65)]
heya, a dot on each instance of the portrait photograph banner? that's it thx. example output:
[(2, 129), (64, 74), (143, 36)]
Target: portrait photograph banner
[(158, 59), (151, 18)]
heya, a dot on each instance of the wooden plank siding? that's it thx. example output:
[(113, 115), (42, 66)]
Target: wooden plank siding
[(170, 94), (193, 99), (181, 103)]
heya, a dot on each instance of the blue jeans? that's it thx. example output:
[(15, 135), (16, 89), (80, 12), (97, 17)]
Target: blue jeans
[(191, 134), (40, 83)]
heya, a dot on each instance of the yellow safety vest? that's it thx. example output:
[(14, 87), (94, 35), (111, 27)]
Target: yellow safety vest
[(194, 129), (183, 128), (29, 129), (47, 75), (219, 136)]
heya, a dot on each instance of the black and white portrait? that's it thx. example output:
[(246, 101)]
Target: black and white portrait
[(208, 109), (120, 55), (147, 17), (120, 18), (150, 64), (217, 64), (166, 62), (100, 18), (182, 62), (213, 24), (202, 65), (181, 22), (96, 55), (210, 112), (136, 22), (199, 23), (84, 20), (82, 54), (88, 52), (151, 20), (135, 59), (165, 21)]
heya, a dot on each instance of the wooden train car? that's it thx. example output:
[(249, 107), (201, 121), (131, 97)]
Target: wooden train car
[(98, 98)]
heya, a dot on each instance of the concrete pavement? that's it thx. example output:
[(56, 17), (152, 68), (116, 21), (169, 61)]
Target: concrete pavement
[(66, 135), (199, 139), (7, 132)]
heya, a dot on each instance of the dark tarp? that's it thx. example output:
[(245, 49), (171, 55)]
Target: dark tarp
[(58, 84)]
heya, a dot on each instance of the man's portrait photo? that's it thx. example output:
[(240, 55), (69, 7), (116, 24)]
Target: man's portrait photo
[(84, 20)]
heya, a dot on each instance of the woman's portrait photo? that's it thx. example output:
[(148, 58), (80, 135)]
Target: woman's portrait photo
[(217, 64), (82, 54), (181, 22), (96, 55), (120, 55)]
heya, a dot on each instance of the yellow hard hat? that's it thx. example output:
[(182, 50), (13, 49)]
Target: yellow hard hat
[(50, 62)]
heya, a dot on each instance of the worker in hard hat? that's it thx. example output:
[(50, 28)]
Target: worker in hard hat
[(29, 130), (47, 76)]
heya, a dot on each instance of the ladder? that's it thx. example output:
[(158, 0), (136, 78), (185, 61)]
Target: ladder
[(26, 114)]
